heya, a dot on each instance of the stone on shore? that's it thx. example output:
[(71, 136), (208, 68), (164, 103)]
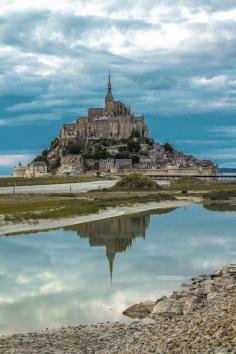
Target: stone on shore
[(140, 311)]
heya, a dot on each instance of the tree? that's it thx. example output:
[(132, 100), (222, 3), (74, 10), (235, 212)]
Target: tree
[(149, 141), (73, 149), (135, 134), (169, 148), (43, 157), (134, 146), (45, 154), (54, 143), (122, 156), (135, 159)]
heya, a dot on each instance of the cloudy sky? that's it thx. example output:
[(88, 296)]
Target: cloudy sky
[(172, 60)]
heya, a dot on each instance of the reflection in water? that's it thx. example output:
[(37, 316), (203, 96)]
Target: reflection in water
[(116, 234), (54, 279)]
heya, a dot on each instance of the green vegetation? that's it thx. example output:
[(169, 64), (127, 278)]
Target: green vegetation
[(169, 148), (18, 181), (200, 186), (134, 146), (136, 182), (74, 148), (54, 143), (131, 189), (220, 200), (43, 157), (16, 208), (220, 195), (135, 134)]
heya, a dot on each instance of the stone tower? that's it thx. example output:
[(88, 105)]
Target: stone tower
[(109, 99)]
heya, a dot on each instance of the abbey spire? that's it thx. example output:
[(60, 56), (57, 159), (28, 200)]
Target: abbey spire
[(109, 96), (109, 99)]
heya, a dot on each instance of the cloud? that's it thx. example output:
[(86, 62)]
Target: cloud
[(222, 154), (11, 160), (226, 131), (214, 82), (197, 142), (166, 58), (57, 55)]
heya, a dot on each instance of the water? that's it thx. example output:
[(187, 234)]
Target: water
[(92, 272)]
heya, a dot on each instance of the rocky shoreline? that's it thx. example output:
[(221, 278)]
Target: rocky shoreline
[(199, 318)]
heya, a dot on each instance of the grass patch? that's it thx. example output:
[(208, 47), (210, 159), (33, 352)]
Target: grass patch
[(191, 184), (220, 195), (220, 200), (220, 207), (23, 207), (18, 181)]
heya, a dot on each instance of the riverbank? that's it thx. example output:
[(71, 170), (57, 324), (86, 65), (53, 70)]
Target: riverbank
[(42, 224), (199, 318)]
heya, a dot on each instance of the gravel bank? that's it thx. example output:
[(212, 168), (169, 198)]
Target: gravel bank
[(200, 318)]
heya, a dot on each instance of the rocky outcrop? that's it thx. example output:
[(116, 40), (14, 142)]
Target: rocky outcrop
[(191, 296)]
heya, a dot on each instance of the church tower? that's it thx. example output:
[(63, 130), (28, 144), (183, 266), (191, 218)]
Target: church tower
[(109, 100)]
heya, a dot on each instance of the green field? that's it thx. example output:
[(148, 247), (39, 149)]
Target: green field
[(17, 181), (33, 207)]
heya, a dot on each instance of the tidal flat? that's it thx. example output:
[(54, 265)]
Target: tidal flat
[(73, 278)]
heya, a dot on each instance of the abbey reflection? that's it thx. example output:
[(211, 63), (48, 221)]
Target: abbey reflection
[(115, 234)]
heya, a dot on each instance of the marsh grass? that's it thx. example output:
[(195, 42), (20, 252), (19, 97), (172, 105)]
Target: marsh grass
[(220, 200), (189, 184), (34, 207)]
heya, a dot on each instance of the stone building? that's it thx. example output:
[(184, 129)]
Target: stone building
[(115, 120), (19, 171), (123, 164), (106, 165), (36, 169)]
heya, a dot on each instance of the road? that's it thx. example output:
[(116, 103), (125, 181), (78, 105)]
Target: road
[(59, 188)]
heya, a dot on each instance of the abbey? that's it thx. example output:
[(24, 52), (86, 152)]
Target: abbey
[(111, 140), (115, 120)]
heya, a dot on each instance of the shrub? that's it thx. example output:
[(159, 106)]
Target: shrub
[(136, 182)]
